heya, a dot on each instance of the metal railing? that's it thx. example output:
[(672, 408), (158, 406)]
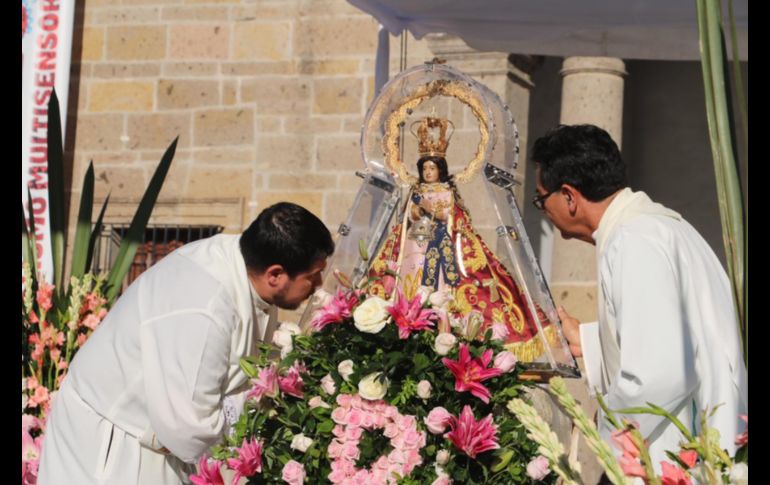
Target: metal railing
[(158, 241)]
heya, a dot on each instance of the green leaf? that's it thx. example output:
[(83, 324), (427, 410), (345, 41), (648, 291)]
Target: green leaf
[(56, 200), (135, 232), (421, 362), (325, 426), (95, 234), (80, 255), (503, 457), (31, 237)]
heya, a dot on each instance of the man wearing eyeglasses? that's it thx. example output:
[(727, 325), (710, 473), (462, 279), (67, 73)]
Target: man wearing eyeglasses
[(667, 324)]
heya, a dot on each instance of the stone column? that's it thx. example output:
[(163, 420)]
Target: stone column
[(592, 92)]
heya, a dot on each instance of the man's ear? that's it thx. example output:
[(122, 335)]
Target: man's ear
[(275, 275), (572, 196)]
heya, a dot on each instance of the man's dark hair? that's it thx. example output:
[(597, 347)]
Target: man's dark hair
[(285, 234), (584, 156)]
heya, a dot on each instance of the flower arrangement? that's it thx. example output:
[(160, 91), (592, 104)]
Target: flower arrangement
[(699, 457), (380, 392)]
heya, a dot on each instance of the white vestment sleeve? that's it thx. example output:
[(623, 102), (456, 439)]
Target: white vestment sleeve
[(592, 357), (185, 362), (657, 362)]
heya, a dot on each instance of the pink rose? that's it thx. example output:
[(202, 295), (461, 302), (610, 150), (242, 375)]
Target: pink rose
[(538, 468), (353, 434), (354, 417), (391, 430), (293, 473), (340, 416), (350, 450), (335, 449), (367, 420), (505, 361), (436, 421), (442, 480), (344, 400)]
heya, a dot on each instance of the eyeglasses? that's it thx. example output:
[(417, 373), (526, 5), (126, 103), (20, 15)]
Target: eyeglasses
[(539, 200)]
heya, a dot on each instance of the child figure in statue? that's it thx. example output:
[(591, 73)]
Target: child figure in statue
[(434, 245)]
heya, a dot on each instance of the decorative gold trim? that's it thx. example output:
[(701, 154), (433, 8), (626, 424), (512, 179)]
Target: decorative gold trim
[(440, 87), (534, 348)]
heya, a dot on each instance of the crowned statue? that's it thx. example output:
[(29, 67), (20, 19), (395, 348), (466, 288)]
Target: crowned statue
[(434, 245)]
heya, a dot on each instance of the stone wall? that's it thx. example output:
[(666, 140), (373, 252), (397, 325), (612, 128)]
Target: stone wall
[(267, 98)]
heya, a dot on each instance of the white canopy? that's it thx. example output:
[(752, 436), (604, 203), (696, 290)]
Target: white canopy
[(629, 29)]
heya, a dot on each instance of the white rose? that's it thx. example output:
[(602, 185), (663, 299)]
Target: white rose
[(321, 297), (327, 384), (442, 457), (300, 442), (499, 331), (444, 343), (371, 388), (424, 389), (317, 402), (283, 335), (371, 315), (440, 298), (345, 369), (739, 475)]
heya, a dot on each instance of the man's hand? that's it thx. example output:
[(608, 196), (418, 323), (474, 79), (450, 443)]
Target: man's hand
[(571, 328)]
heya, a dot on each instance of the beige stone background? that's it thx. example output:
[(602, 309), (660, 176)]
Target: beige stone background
[(267, 98)]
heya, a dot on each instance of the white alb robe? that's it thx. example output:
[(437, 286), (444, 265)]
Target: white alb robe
[(667, 324), (155, 372)]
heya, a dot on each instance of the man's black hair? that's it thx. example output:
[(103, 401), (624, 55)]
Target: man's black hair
[(288, 235), (583, 156)]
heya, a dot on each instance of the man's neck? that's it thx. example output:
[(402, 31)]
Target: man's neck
[(595, 211), (260, 287)]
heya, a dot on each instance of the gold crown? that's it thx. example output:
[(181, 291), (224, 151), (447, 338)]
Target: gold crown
[(427, 143)]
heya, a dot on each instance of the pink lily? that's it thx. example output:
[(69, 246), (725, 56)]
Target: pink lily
[(469, 373), (409, 315), (249, 461), (209, 473), (266, 384), (292, 384), (340, 308), (470, 436)]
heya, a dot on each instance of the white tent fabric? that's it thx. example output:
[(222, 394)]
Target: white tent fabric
[(628, 29)]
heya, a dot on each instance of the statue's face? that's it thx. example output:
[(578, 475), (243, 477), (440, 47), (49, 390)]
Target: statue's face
[(430, 172)]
